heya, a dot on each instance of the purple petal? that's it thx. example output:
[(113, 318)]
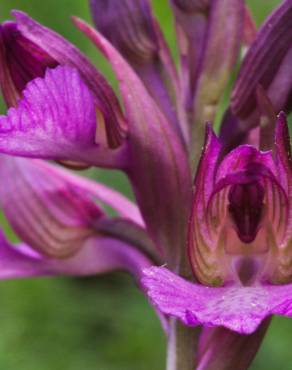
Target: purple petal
[(249, 28), (129, 232), (105, 195), (220, 348), (283, 152), (267, 63), (159, 168), (223, 38), (20, 62), (56, 120), (130, 26), (282, 272), (191, 25), (209, 45), (232, 134), (110, 113), (47, 211), (98, 255), (237, 308), (205, 265), (54, 210), (243, 156)]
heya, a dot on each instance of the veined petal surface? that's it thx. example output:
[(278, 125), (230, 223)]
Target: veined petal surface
[(237, 308), (54, 210), (66, 53), (56, 119)]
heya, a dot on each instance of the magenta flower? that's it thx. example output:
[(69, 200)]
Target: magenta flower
[(237, 222), (239, 240)]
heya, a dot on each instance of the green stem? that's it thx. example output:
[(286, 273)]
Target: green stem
[(182, 345)]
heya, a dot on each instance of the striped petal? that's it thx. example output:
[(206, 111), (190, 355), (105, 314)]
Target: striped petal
[(240, 215), (55, 211), (56, 119), (21, 61), (110, 115)]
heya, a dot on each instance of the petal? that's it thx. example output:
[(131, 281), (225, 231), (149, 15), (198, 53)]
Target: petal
[(267, 63), (249, 28), (209, 36), (55, 210), (110, 113), (283, 152), (159, 166), (47, 211), (130, 26), (243, 156), (205, 264), (106, 196), (130, 233), (283, 259), (240, 309), (97, 256), (220, 348), (55, 119), (232, 134), (219, 56), (191, 26), (21, 61)]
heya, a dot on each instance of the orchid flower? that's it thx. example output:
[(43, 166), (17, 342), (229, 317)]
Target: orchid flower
[(236, 224)]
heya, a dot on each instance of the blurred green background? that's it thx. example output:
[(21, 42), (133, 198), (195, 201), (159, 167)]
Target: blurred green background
[(101, 323)]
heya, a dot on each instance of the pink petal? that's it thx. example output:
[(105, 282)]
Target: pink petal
[(55, 211), (237, 308), (56, 119), (65, 53), (98, 255)]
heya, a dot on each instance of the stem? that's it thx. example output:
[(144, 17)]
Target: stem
[(182, 344)]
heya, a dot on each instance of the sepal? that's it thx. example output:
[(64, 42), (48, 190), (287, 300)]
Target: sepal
[(55, 212), (108, 110), (267, 63), (55, 119), (20, 62), (131, 28), (159, 168)]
